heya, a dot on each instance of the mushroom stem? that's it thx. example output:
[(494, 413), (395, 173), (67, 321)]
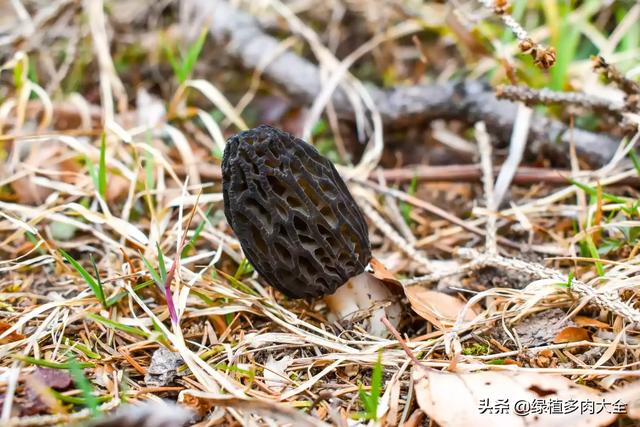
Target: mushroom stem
[(360, 293)]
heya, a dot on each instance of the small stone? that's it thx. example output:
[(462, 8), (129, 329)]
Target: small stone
[(163, 369)]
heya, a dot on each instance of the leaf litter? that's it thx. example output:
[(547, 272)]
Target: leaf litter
[(531, 295)]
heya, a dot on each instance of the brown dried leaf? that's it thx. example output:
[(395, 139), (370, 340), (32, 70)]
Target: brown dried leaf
[(13, 336), (438, 392), (572, 334), (199, 406), (415, 419), (50, 160), (38, 398), (437, 307), (33, 404), (57, 379), (39, 157), (588, 321), (380, 272), (284, 414), (117, 188), (275, 377)]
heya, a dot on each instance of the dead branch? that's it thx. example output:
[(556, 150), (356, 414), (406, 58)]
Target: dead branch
[(448, 173), (472, 173), (547, 96), (469, 101), (614, 75)]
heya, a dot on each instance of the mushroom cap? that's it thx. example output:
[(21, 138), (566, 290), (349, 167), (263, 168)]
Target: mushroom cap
[(296, 221)]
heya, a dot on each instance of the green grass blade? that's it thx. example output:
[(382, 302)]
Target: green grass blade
[(177, 71), (570, 279), (93, 173), (18, 75), (117, 297), (376, 386), (238, 284), (81, 347), (50, 364), (83, 384), (148, 170), (591, 191), (102, 167), (95, 286), (631, 40), (35, 241), (406, 208), (152, 271), (243, 268), (593, 250), (97, 273), (371, 399), (161, 265), (196, 234), (635, 160), (189, 61), (119, 326), (366, 403), (565, 56), (77, 400)]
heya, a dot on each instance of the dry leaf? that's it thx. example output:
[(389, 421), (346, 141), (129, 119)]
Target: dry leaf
[(43, 160), (201, 407), (379, 271), (513, 399), (13, 336), (572, 334), (415, 419), (588, 321), (147, 414), (38, 398), (436, 307), (117, 188), (274, 373), (284, 414), (57, 379), (39, 157)]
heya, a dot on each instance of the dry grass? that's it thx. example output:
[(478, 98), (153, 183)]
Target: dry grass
[(85, 170)]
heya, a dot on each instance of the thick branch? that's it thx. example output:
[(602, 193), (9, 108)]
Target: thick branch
[(449, 173), (469, 101)]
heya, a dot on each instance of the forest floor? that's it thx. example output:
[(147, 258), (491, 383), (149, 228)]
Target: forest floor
[(490, 146)]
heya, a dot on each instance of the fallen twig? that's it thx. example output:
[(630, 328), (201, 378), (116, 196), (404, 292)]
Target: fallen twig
[(472, 173), (547, 96), (449, 173), (470, 101)]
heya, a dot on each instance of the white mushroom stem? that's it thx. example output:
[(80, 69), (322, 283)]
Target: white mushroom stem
[(361, 293)]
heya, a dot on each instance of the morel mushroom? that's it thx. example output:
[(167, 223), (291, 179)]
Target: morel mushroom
[(297, 223)]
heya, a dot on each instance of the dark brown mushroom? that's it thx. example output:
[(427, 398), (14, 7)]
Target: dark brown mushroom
[(296, 221)]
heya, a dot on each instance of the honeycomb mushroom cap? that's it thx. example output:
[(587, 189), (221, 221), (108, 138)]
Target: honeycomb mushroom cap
[(296, 221)]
